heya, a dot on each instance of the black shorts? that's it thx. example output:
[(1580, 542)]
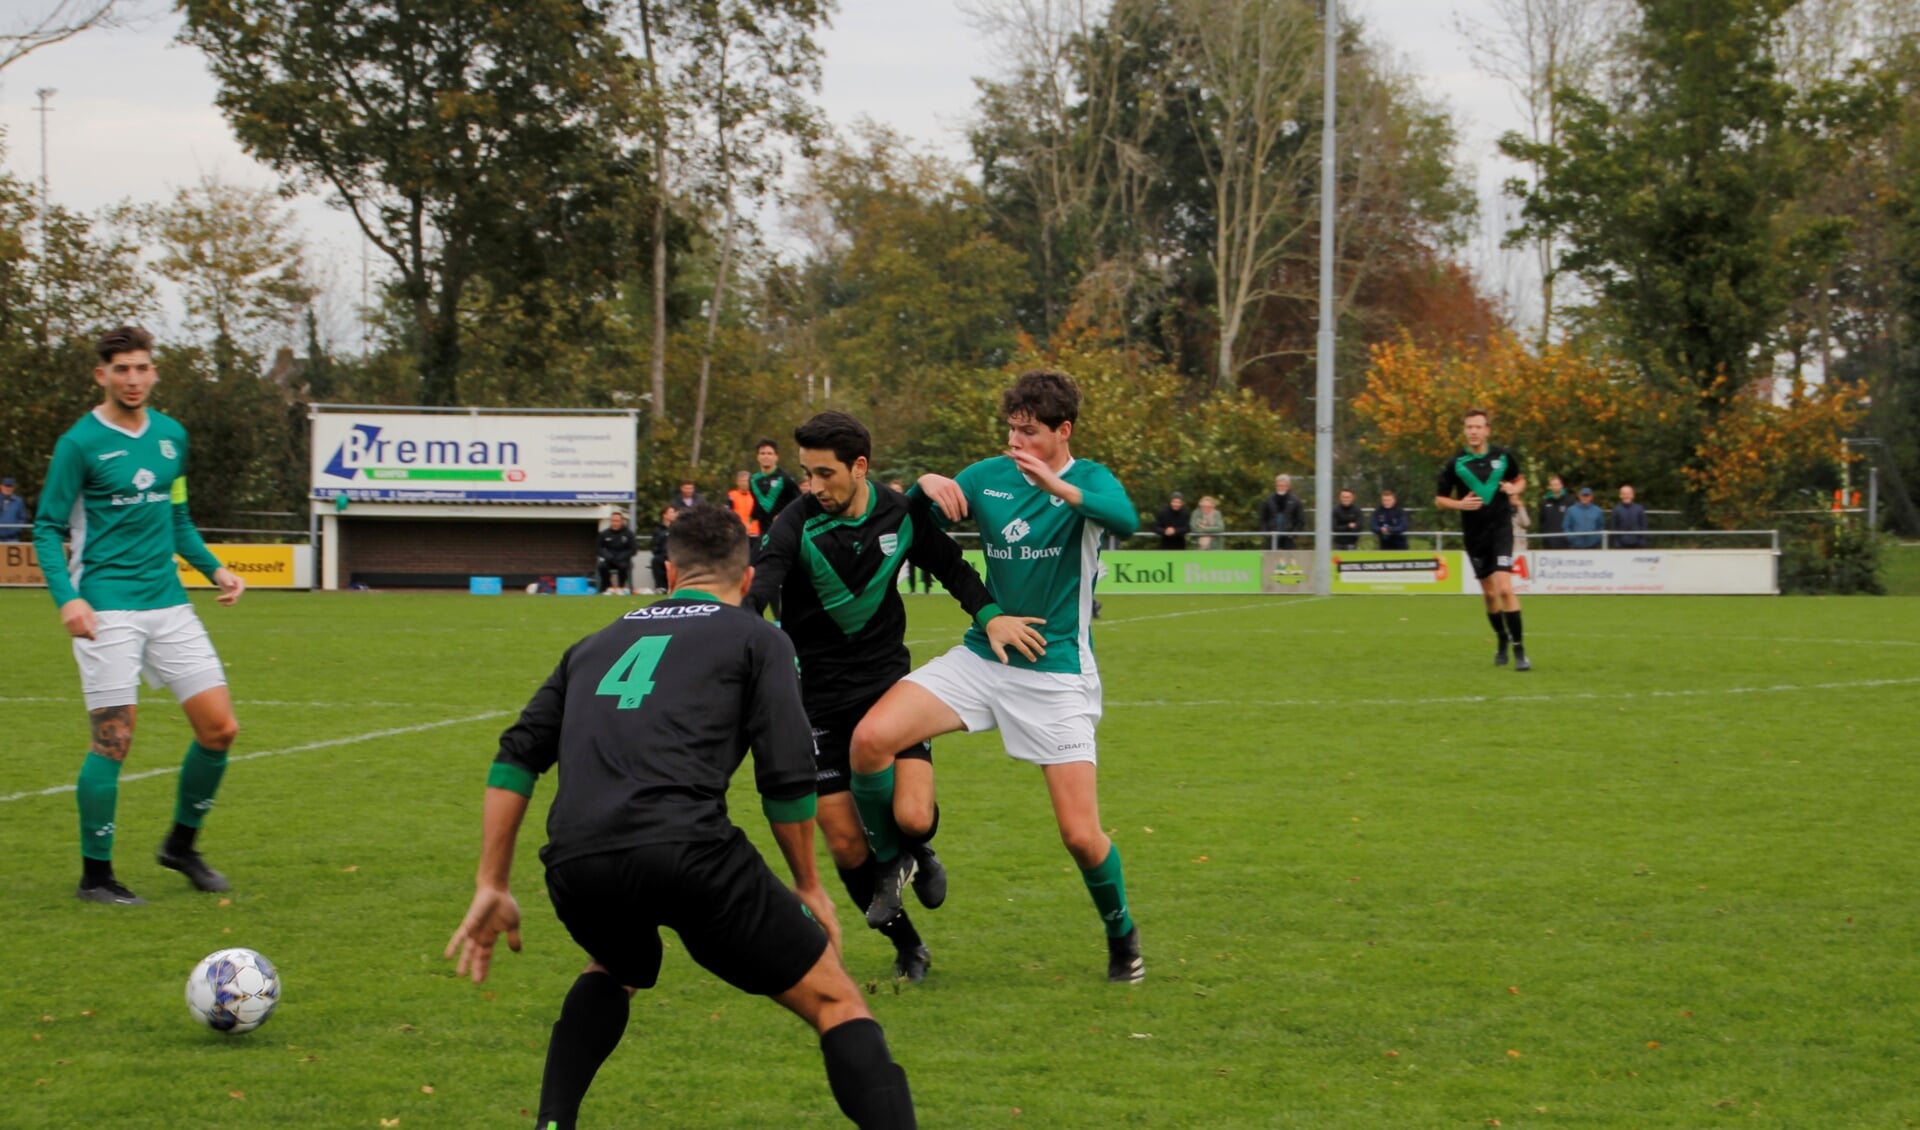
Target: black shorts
[(833, 747), (735, 918), (1491, 552)]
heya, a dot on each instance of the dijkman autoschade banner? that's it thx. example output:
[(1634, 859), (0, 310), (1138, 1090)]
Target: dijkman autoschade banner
[(400, 457)]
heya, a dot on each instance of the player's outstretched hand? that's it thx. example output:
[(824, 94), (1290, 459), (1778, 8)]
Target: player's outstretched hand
[(492, 913), (815, 899), (1018, 633), (77, 617), (231, 585), (946, 494)]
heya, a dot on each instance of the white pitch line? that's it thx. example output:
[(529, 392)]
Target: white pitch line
[(374, 735), (245, 704), (1454, 700)]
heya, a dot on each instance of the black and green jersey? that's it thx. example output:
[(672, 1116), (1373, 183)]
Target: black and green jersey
[(120, 499), (1482, 475), (837, 582), (648, 719), (1043, 556), (773, 491)]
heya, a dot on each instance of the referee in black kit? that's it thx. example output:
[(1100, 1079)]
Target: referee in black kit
[(648, 719)]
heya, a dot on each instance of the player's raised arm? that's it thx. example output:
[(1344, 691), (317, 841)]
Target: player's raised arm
[(1104, 500)]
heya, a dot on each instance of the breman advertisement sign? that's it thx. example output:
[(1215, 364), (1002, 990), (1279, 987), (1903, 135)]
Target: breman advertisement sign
[(460, 457)]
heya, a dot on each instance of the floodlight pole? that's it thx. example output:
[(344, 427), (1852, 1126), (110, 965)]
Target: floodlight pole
[(1323, 489), (45, 94)]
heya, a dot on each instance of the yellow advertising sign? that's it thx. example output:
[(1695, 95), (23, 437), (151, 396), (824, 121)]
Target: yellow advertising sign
[(261, 566)]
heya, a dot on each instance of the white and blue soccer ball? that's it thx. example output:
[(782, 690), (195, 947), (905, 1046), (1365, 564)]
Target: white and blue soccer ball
[(233, 991)]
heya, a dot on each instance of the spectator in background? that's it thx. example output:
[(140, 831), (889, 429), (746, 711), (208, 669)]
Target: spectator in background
[(1173, 521), (657, 546), (740, 498), (1282, 513), (1347, 521), (685, 497), (15, 522), (1390, 522), (1629, 521), (1583, 522), (615, 549), (1553, 512), (1209, 525)]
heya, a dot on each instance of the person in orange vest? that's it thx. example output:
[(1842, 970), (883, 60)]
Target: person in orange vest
[(741, 499)]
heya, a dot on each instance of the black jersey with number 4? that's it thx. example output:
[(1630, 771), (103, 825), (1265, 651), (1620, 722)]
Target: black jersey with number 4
[(649, 717), (1466, 473), (837, 579)]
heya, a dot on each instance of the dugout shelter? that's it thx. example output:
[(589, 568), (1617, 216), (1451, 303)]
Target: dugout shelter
[(427, 498)]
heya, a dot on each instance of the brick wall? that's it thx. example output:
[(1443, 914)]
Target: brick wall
[(444, 552)]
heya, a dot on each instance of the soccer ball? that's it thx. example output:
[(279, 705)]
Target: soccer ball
[(233, 991)]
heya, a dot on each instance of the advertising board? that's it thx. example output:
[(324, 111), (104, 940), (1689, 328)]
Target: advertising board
[(453, 457)]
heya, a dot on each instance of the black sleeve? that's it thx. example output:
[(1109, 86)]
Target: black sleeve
[(776, 722), (533, 741), (1449, 485), (942, 557), (779, 547), (1513, 468)]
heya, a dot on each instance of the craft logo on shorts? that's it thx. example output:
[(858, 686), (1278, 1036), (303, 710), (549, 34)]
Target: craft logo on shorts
[(1015, 530), (889, 543), (168, 450)]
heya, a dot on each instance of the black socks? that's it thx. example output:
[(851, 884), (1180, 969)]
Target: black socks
[(180, 840), (1499, 622), (870, 1088), (590, 1026), (1513, 625)]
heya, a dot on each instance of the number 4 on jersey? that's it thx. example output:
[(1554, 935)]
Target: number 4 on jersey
[(631, 676)]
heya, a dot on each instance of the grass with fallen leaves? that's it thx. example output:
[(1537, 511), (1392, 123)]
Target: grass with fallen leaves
[(1665, 879)]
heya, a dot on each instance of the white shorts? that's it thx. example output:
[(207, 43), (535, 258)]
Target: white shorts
[(167, 645), (1044, 717)]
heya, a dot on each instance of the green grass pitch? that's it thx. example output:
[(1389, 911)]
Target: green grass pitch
[(1666, 879)]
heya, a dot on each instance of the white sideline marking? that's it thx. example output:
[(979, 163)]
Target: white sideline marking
[(1777, 688), (244, 704), (374, 735)]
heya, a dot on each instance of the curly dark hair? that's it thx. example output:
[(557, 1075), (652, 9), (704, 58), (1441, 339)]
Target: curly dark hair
[(1045, 395)]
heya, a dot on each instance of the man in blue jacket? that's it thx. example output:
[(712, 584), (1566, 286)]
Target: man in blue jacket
[(15, 522), (1390, 522), (1584, 521)]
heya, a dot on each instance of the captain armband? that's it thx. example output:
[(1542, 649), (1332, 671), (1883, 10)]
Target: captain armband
[(510, 777), (789, 811)]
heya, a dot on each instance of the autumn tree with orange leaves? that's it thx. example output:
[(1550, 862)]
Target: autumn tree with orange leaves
[(1594, 422)]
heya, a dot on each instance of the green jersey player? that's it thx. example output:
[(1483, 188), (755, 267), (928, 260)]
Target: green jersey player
[(117, 491), (1041, 514)]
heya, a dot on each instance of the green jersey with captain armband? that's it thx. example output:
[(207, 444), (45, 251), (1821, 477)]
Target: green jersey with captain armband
[(1043, 555), (121, 499)]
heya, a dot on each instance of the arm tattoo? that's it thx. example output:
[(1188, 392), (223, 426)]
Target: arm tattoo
[(112, 731)]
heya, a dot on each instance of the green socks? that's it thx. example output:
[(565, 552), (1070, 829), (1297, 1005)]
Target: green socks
[(873, 796), (1109, 890), (98, 791), (200, 777)]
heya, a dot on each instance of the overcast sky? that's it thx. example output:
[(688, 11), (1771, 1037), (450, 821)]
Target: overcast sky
[(134, 116)]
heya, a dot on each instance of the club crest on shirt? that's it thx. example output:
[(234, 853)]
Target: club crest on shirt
[(889, 543), (168, 450), (142, 479), (1015, 530)]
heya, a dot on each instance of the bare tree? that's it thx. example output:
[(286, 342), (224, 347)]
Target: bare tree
[(1256, 69), (66, 19), (1541, 49)]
